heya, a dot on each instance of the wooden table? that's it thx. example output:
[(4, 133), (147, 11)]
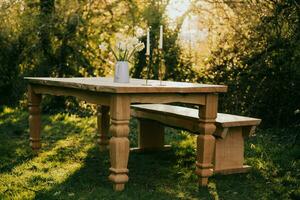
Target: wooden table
[(117, 98)]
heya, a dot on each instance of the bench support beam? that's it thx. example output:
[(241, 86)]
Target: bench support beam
[(229, 152), (150, 135), (243, 169), (220, 142)]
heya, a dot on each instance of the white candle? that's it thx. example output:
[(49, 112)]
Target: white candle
[(148, 43), (160, 45)]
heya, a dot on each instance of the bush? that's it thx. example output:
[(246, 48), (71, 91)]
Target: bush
[(262, 71), (9, 70)]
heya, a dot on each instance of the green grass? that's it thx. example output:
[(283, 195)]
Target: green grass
[(70, 165)]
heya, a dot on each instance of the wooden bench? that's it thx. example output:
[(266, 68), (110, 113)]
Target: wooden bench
[(230, 133)]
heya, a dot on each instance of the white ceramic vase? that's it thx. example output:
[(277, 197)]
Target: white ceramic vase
[(121, 72)]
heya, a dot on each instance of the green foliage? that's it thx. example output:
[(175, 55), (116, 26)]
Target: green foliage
[(60, 38), (10, 48), (176, 66), (9, 72), (261, 66), (256, 51), (279, 165)]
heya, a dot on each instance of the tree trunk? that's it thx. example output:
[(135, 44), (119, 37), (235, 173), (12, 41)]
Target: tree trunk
[(47, 8)]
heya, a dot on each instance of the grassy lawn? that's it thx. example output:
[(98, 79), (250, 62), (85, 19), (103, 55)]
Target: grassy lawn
[(70, 165)]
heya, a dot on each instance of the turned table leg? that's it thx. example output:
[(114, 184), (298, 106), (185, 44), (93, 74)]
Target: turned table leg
[(205, 139), (34, 101), (103, 120), (119, 143)]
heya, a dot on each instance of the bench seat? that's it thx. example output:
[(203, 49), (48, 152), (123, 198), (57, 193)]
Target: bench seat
[(230, 132)]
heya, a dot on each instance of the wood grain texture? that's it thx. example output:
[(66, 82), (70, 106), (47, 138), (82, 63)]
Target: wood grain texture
[(150, 135), (119, 143), (224, 120), (103, 123), (34, 101), (159, 98), (104, 92), (101, 84), (228, 152), (244, 169), (88, 96), (205, 140)]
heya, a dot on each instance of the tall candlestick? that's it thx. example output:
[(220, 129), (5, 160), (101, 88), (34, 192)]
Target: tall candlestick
[(160, 46), (148, 43)]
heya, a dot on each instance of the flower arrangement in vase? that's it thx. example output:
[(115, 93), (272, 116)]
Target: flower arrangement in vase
[(123, 51)]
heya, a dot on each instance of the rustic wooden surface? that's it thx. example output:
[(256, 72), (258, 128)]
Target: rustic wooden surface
[(229, 152), (150, 135), (243, 169), (100, 84), (205, 139), (119, 143), (230, 133), (118, 97), (225, 120), (103, 123), (34, 101)]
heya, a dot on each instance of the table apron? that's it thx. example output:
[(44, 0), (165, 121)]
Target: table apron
[(105, 98), (196, 98), (88, 96)]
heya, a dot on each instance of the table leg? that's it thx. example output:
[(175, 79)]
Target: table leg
[(103, 120), (205, 139), (34, 101), (119, 143)]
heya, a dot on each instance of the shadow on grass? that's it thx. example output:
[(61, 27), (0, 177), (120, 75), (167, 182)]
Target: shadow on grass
[(159, 175), (152, 176), (156, 175), (70, 166), (14, 142), (14, 136)]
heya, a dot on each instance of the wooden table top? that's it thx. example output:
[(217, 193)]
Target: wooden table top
[(101, 84)]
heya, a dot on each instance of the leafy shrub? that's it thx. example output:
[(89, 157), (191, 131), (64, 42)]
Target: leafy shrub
[(262, 71)]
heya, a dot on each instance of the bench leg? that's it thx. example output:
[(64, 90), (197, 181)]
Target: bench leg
[(150, 135), (229, 153), (34, 101), (103, 121)]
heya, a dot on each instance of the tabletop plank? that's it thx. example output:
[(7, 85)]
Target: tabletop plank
[(104, 84)]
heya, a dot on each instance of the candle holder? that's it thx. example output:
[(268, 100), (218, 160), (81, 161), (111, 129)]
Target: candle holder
[(148, 69), (161, 68)]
